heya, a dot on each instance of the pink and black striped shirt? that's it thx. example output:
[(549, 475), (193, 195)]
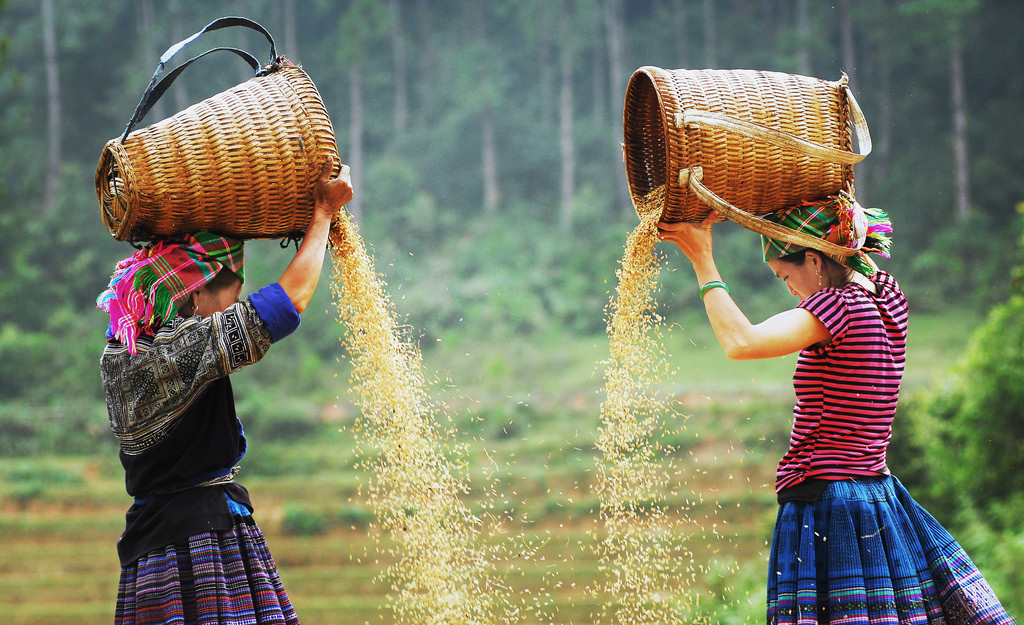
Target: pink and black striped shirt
[(847, 391)]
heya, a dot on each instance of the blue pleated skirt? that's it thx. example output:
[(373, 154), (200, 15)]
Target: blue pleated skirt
[(867, 553), (215, 578)]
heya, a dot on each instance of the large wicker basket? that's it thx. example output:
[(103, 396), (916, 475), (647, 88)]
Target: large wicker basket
[(242, 163), (743, 142)]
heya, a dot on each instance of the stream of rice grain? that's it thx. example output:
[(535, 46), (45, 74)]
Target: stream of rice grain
[(442, 575), (442, 572), (639, 547)]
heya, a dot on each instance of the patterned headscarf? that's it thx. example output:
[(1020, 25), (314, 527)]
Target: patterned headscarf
[(839, 220), (146, 288)]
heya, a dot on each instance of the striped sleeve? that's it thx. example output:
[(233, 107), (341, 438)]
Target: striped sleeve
[(832, 311)]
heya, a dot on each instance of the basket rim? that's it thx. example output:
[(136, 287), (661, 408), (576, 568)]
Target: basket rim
[(120, 226)]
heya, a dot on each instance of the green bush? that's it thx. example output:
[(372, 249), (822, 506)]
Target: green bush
[(24, 360), (31, 429), (976, 416), (355, 517), (961, 445), (26, 481), (299, 521)]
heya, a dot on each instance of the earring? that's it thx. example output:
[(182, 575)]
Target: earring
[(819, 280)]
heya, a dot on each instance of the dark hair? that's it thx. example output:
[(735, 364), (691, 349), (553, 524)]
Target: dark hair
[(838, 273), (795, 258), (224, 279)]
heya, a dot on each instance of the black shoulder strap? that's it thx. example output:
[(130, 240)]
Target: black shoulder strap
[(158, 86)]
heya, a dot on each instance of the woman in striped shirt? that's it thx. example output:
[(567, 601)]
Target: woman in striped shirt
[(850, 544)]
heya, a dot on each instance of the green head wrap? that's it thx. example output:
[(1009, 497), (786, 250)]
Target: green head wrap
[(840, 220)]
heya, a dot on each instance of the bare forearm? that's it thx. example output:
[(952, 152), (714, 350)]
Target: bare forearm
[(300, 278), (731, 326)]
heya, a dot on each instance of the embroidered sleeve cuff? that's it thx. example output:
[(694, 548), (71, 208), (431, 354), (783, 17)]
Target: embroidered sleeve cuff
[(275, 309)]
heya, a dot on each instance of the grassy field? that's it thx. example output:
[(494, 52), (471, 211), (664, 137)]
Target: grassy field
[(59, 566), (526, 416)]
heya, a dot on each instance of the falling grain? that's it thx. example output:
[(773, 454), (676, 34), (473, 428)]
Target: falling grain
[(441, 574), (639, 550)]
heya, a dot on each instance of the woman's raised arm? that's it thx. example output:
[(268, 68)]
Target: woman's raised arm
[(784, 333), (300, 278)]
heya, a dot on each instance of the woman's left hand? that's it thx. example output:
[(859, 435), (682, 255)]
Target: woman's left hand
[(693, 239)]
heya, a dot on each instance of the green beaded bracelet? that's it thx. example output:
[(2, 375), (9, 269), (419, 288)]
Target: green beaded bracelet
[(714, 284)]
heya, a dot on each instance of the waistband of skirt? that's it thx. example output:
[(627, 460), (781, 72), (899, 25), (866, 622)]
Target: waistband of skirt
[(213, 478), (865, 488)]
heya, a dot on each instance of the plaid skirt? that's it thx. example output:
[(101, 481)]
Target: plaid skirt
[(216, 578), (866, 552)]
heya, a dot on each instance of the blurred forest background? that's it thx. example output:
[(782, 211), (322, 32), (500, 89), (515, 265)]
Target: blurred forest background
[(484, 143)]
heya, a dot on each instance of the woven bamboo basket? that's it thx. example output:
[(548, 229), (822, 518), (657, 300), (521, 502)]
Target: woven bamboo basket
[(242, 163), (742, 142)]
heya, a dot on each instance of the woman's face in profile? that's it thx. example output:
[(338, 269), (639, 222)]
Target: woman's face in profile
[(803, 280)]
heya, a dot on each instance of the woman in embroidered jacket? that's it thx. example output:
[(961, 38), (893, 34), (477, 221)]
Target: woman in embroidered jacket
[(191, 552), (850, 544)]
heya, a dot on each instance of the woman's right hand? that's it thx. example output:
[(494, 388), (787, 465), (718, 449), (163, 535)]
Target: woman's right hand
[(693, 239), (329, 195)]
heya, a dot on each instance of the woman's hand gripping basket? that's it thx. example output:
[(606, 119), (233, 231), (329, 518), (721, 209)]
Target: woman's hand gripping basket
[(744, 143), (242, 163)]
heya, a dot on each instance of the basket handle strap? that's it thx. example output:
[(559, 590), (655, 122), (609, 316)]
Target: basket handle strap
[(784, 139), (693, 178), (156, 89)]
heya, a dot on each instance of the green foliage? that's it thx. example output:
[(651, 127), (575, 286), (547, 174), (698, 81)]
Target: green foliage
[(962, 444), (987, 426), (1000, 544), (33, 428), (455, 270), (27, 481), (299, 521), (956, 263), (976, 416)]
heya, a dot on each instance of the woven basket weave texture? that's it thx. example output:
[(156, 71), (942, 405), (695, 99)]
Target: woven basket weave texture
[(753, 175), (242, 163)]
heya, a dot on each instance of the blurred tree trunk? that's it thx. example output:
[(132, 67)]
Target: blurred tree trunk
[(565, 122), (849, 64), (883, 130), (677, 11), (803, 35), (884, 50), (599, 88), (146, 23), (849, 53), (364, 25), (548, 71), (53, 144), (488, 144), (960, 158), (618, 79), (425, 58), (617, 73), (355, 154), (181, 100), (289, 45), (710, 36), (401, 82), (489, 163)]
